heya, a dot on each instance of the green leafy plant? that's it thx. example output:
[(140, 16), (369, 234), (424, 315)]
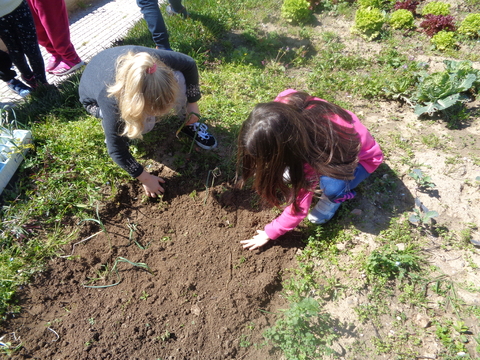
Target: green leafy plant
[(296, 11), (424, 218), (401, 19), (389, 262), (370, 3), (436, 8), (304, 332), (444, 40), (470, 26), (441, 90), (368, 23), (423, 180)]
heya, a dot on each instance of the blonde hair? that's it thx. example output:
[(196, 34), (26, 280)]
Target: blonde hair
[(144, 86)]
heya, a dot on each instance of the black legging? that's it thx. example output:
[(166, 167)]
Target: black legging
[(17, 30), (6, 71)]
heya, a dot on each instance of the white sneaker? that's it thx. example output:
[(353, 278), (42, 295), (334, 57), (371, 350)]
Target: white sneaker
[(323, 211)]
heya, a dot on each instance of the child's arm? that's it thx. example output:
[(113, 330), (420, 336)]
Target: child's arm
[(288, 220)]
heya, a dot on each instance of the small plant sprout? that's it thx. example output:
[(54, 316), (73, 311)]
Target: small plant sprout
[(99, 222), (144, 295), (165, 336), (423, 181), (211, 174), (421, 214), (91, 321), (115, 270)]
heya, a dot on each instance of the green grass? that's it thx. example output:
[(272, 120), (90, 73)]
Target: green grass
[(69, 173)]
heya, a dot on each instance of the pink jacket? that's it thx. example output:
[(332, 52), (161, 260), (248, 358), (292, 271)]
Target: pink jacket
[(370, 157)]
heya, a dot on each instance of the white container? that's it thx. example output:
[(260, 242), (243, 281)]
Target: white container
[(10, 156)]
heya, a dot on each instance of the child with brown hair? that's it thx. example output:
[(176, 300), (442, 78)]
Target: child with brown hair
[(128, 86), (293, 144)]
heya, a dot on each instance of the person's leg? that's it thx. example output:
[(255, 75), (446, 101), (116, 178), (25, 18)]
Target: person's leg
[(7, 74), (53, 29), (176, 8), (197, 131), (334, 192), (156, 24), (28, 37), (8, 33), (176, 5), (6, 71)]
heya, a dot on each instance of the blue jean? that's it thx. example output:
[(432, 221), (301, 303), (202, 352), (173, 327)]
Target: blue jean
[(340, 190), (156, 24)]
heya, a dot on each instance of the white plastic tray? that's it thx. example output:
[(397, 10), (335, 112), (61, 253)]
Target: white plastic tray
[(12, 151)]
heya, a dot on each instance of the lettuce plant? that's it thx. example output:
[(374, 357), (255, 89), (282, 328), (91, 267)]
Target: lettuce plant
[(435, 23), (444, 40), (368, 23), (410, 5), (296, 11), (441, 90), (436, 8), (370, 3), (401, 19), (470, 26)]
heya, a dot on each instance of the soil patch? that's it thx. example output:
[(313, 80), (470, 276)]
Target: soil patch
[(202, 293)]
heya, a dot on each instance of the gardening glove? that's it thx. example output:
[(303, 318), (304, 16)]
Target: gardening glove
[(257, 241)]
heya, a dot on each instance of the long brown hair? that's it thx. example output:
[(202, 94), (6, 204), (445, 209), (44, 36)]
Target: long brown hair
[(277, 136)]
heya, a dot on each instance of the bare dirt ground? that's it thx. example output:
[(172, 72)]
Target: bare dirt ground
[(203, 292)]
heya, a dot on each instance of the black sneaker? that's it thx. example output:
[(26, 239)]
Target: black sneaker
[(18, 87), (199, 132)]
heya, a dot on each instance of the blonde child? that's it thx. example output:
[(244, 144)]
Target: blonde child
[(127, 87), (293, 144)]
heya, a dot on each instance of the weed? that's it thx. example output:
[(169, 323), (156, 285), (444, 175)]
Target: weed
[(99, 222), (389, 262), (144, 295), (304, 331), (115, 270), (244, 341), (91, 321)]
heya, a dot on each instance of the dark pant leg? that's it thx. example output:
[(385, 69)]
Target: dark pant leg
[(176, 5), (156, 24), (17, 31), (6, 71)]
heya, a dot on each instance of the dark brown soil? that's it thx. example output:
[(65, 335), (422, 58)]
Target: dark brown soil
[(202, 297)]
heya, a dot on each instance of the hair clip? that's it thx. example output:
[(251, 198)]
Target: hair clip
[(152, 69)]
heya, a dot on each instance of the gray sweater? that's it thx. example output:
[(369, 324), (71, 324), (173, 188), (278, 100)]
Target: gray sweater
[(100, 73)]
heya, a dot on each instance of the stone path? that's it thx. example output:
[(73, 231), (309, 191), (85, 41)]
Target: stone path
[(92, 29)]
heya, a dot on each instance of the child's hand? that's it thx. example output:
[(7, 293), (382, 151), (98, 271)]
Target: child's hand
[(151, 184), (257, 241)]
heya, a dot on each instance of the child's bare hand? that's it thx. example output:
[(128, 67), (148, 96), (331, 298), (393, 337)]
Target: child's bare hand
[(257, 241), (151, 184)]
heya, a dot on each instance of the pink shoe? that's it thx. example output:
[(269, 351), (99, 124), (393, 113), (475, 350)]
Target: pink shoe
[(64, 69), (52, 63)]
